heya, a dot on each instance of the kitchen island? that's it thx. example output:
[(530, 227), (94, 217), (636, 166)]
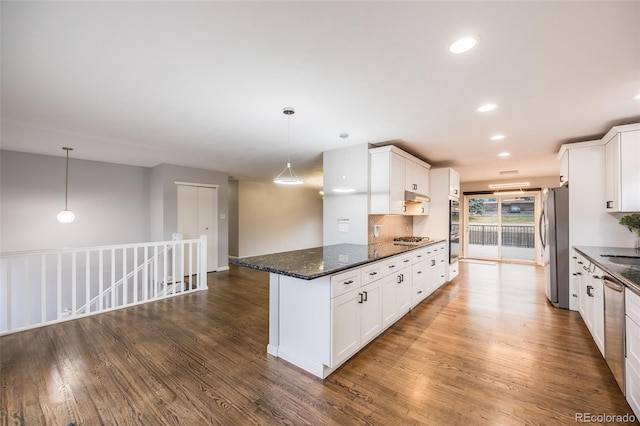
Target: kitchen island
[(326, 303)]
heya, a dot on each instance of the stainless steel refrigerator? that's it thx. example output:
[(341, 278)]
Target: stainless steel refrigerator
[(554, 235)]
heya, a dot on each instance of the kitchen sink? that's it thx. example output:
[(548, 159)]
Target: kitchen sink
[(623, 260)]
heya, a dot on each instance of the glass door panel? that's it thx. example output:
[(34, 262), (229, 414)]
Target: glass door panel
[(518, 227), (482, 227)]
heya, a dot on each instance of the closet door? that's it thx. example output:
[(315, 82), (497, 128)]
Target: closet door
[(197, 214)]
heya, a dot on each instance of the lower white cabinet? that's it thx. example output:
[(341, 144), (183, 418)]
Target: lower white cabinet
[(632, 350), (396, 295), (356, 320), (318, 324), (591, 298)]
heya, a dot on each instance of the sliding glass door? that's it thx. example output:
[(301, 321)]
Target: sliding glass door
[(501, 227)]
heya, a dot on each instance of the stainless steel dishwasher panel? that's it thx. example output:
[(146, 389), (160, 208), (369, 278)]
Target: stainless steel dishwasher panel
[(614, 324)]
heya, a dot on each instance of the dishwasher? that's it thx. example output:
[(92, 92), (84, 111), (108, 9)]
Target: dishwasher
[(614, 325)]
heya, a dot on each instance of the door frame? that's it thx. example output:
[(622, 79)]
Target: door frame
[(537, 210)]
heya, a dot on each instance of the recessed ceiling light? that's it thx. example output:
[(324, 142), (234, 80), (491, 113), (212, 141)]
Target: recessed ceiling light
[(496, 137), (487, 107), (504, 154), (463, 44)]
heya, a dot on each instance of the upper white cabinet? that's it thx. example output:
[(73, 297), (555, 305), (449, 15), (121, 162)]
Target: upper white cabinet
[(564, 167), (622, 174), (416, 177), (392, 172), (454, 183)]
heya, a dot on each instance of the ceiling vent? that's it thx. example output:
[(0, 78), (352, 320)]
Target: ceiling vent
[(509, 172)]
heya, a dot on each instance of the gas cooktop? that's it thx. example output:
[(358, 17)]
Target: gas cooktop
[(410, 241)]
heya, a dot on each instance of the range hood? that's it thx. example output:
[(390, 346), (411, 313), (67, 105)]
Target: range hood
[(414, 197)]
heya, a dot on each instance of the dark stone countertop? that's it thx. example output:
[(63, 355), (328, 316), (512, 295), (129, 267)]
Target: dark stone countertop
[(628, 275), (317, 262)]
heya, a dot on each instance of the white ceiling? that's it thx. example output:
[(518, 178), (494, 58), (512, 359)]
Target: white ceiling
[(203, 84)]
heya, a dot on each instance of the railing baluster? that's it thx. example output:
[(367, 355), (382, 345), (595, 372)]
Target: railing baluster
[(87, 295), (73, 284), (43, 289), (165, 277), (182, 277), (9, 296), (145, 275), (27, 293), (125, 284), (113, 278), (100, 280), (59, 289), (190, 266), (135, 275)]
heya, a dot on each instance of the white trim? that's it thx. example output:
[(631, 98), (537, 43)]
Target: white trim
[(205, 185), (222, 268)]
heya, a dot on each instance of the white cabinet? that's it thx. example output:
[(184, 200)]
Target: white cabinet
[(632, 357), (416, 178), (392, 171), (454, 183), (622, 174), (564, 167), (396, 295), (356, 320), (420, 282), (591, 298)]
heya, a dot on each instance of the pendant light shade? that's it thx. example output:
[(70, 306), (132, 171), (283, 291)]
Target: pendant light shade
[(288, 176), (66, 216)]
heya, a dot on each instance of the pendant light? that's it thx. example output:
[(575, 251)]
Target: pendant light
[(66, 216), (288, 176)]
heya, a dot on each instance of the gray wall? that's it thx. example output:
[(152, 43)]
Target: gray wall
[(111, 202)]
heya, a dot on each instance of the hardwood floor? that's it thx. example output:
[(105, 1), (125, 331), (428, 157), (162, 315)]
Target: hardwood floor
[(485, 349)]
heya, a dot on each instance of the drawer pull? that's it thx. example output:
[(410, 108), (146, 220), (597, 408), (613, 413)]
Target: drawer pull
[(348, 282), (407, 260), (392, 266), (373, 273)]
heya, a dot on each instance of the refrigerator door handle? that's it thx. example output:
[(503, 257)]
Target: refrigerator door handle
[(543, 236)]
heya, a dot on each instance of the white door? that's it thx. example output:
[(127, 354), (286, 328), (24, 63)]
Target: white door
[(197, 214)]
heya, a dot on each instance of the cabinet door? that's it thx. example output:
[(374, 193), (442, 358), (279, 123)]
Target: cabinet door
[(419, 282), (598, 313), (396, 196), (389, 303), (564, 168), (629, 171), (416, 178), (345, 329), (612, 174), (454, 183), (441, 270), (403, 291), (371, 311)]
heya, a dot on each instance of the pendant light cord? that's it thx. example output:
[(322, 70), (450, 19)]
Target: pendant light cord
[(66, 181)]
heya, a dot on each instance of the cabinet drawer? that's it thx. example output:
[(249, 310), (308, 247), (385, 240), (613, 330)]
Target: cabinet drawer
[(632, 337), (346, 281), (372, 272), (389, 266), (632, 306), (405, 260), (438, 248), (419, 255)]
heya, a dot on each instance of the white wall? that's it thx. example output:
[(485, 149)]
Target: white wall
[(276, 218), (111, 202)]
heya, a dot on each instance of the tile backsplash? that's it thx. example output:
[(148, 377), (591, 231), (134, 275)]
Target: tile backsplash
[(391, 226)]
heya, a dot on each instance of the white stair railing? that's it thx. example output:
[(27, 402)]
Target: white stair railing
[(39, 288)]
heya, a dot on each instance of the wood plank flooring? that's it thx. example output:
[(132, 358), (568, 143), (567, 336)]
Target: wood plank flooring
[(486, 349)]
